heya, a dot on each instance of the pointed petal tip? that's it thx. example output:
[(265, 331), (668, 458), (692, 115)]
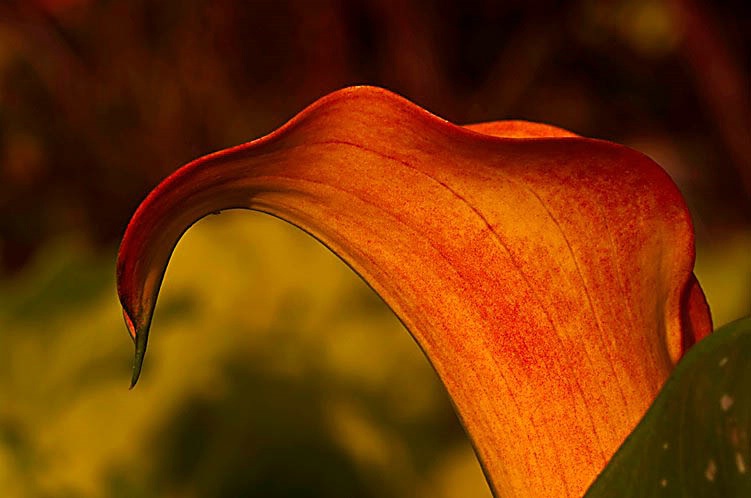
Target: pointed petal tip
[(139, 356), (136, 374), (140, 338)]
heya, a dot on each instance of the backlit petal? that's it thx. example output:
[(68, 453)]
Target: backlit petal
[(547, 277)]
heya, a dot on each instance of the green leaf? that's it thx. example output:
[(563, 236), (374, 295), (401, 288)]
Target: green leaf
[(694, 440)]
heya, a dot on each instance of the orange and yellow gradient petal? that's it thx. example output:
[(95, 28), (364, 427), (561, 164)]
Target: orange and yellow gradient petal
[(547, 277)]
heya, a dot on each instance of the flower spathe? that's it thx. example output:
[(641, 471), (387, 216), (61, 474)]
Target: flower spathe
[(547, 277)]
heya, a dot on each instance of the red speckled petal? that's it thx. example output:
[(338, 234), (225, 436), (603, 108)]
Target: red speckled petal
[(547, 277)]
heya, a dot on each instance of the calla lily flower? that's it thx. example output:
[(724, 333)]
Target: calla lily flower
[(547, 277)]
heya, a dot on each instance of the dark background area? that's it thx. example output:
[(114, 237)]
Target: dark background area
[(100, 99)]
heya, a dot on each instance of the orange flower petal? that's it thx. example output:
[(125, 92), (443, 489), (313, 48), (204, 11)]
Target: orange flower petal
[(547, 277)]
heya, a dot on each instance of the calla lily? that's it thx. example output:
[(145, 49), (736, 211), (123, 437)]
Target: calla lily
[(547, 277)]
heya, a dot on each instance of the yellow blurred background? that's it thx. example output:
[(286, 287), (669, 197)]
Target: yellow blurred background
[(272, 369)]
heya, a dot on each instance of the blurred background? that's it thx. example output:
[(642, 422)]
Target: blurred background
[(273, 370)]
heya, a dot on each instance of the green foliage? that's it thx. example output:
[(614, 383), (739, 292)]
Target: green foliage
[(694, 440)]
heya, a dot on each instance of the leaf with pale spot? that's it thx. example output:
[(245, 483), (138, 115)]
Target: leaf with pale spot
[(694, 440)]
